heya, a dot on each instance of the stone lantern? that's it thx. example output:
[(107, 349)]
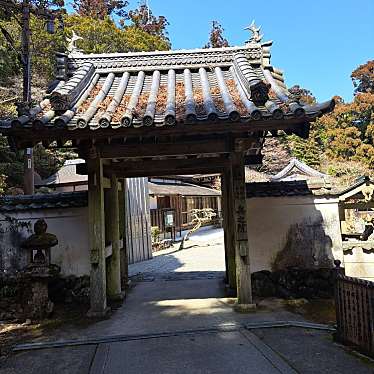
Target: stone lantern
[(39, 271)]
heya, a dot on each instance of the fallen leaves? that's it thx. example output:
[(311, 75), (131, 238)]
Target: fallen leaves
[(121, 109), (141, 105), (103, 106), (217, 99), (162, 98), (233, 90), (86, 104), (180, 99), (199, 100)]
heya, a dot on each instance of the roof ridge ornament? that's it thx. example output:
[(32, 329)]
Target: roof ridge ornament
[(72, 47), (256, 36)]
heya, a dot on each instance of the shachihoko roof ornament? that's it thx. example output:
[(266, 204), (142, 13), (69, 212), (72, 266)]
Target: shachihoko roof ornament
[(72, 46), (236, 86), (256, 36)]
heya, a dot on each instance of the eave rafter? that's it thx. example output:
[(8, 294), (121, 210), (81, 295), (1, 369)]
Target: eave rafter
[(27, 137)]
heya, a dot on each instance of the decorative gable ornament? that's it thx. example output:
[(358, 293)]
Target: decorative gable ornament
[(72, 47), (256, 37)]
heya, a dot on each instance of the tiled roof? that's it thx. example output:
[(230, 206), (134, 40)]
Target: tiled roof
[(43, 201), (232, 84), (67, 174), (286, 188), (297, 170)]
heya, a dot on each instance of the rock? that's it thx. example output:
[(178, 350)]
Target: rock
[(297, 302), (27, 322)]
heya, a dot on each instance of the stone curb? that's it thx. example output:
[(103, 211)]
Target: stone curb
[(214, 329)]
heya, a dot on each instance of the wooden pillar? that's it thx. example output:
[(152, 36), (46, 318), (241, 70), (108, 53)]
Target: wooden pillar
[(114, 264), (229, 228), (96, 221), (243, 273), (124, 253)]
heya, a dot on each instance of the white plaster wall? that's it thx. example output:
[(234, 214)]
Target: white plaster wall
[(270, 218), (71, 228), (359, 263)]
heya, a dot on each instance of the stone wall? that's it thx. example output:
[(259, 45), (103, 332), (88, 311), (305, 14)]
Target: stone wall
[(294, 283)]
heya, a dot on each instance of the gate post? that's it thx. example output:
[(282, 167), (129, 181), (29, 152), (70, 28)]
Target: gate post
[(96, 223), (114, 264), (228, 227), (242, 256)]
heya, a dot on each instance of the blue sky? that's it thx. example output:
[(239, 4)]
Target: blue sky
[(316, 43)]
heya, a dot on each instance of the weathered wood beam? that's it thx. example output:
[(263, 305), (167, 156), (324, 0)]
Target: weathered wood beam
[(163, 149), (114, 264), (242, 254), (96, 222), (167, 167)]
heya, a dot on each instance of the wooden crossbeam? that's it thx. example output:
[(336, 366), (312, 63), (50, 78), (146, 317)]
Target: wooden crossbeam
[(155, 168), (163, 149)]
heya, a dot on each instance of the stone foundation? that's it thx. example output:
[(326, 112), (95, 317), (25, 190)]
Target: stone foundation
[(16, 292), (294, 283), (70, 290)]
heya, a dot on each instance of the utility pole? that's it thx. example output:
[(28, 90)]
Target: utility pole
[(25, 8), (28, 179)]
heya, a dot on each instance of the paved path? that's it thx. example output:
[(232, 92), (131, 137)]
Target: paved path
[(176, 319), (204, 252)]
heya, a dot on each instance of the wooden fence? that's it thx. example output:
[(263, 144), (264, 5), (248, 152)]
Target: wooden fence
[(354, 300)]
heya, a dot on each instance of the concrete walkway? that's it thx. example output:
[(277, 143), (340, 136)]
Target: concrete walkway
[(176, 319)]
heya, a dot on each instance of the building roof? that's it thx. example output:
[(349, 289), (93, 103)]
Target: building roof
[(43, 201), (254, 176), (117, 91), (363, 185), (66, 175), (297, 170), (181, 188), (286, 188)]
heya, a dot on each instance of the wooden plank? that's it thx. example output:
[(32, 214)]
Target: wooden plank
[(114, 265), (124, 251), (147, 232), (128, 222), (98, 304)]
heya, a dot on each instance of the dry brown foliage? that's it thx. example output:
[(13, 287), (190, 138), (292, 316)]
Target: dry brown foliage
[(104, 105), (272, 94), (162, 98), (217, 99), (121, 109), (199, 100), (86, 104), (141, 106), (231, 86), (44, 111), (180, 99)]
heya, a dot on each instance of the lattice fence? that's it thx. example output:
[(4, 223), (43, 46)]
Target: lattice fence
[(355, 313)]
